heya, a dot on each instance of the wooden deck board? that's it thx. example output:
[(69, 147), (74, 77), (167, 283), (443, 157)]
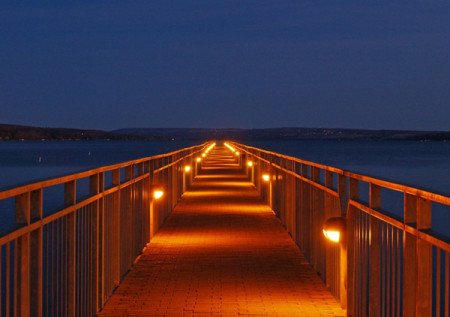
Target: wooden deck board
[(222, 252)]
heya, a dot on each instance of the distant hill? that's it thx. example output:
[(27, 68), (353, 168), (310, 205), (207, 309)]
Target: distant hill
[(284, 134), (19, 132)]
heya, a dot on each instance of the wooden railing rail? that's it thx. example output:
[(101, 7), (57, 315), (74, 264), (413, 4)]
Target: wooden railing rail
[(69, 261), (387, 265)]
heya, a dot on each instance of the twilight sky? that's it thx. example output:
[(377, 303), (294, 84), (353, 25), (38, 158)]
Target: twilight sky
[(145, 63)]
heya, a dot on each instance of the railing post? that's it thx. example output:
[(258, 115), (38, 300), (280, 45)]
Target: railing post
[(94, 188), (350, 241), (36, 255), (424, 261), (409, 257), (374, 266), (317, 219), (152, 217), (343, 251), (22, 258), (117, 233), (69, 200)]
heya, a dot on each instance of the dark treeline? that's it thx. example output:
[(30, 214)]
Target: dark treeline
[(18, 132)]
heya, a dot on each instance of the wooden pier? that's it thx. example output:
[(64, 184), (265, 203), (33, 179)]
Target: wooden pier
[(222, 252), (222, 229)]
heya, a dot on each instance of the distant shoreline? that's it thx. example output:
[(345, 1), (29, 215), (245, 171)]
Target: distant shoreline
[(26, 133)]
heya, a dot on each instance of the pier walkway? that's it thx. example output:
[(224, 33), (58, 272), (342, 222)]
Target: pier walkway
[(222, 252)]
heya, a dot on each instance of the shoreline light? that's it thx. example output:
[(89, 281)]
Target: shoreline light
[(249, 163), (198, 159), (266, 177), (187, 168)]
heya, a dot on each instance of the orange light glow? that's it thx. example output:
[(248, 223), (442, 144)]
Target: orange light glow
[(232, 149), (157, 194), (266, 177), (210, 148), (198, 159), (187, 168), (249, 163), (237, 153), (333, 236), (204, 154), (334, 228)]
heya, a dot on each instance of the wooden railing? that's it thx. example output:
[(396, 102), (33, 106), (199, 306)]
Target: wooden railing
[(68, 262), (387, 265)]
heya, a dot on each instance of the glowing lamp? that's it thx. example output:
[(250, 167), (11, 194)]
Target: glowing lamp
[(334, 229), (237, 153), (198, 159), (187, 168), (266, 177), (203, 155), (158, 193), (249, 163)]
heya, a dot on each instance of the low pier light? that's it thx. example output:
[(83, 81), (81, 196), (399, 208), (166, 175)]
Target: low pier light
[(232, 149), (249, 163), (198, 159), (209, 148), (334, 229), (187, 168), (266, 177), (158, 194)]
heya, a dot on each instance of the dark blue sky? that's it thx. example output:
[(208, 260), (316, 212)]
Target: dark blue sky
[(116, 64)]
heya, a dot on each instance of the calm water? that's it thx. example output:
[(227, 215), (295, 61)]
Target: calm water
[(420, 164)]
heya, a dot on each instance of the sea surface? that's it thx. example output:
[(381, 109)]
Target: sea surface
[(424, 165)]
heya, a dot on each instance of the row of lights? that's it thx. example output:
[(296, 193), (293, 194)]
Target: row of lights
[(232, 149), (333, 228)]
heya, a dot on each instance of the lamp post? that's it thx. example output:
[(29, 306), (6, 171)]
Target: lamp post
[(198, 165), (251, 166), (157, 193), (266, 177), (186, 171), (238, 155)]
